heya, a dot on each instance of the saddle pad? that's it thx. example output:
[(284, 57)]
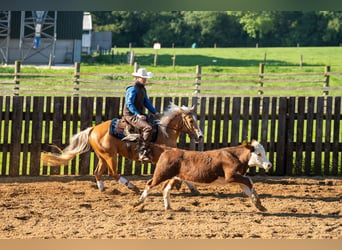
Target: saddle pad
[(117, 128)]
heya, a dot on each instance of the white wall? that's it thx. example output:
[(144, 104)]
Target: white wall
[(66, 51)]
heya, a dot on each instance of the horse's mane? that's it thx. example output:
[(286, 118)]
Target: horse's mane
[(170, 114)]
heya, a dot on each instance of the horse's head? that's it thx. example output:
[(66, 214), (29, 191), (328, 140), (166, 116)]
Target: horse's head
[(258, 155), (190, 124), (181, 119)]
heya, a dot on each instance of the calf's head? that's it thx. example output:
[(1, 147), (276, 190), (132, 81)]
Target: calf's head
[(258, 156)]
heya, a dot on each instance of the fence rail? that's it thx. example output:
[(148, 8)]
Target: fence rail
[(79, 83), (302, 135)]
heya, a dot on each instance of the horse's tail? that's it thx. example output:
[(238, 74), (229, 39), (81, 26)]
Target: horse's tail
[(79, 144)]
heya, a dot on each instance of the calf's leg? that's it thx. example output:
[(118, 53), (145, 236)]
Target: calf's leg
[(247, 186), (166, 192), (144, 194), (191, 187)]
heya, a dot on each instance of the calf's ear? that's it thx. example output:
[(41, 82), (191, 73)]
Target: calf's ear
[(248, 146)]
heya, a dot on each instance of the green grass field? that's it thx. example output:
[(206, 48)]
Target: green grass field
[(213, 60), (230, 58), (234, 61)]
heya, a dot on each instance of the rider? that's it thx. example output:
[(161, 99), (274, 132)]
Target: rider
[(133, 112)]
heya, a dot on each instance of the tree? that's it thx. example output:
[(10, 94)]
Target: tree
[(213, 27), (256, 24), (166, 28), (231, 28), (333, 31)]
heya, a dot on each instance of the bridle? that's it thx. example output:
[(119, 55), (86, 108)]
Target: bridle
[(185, 124)]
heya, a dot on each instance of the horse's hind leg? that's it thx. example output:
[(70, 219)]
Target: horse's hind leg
[(101, 167)]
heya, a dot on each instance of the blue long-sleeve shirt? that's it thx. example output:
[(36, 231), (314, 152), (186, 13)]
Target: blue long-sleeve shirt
[(131, 93)]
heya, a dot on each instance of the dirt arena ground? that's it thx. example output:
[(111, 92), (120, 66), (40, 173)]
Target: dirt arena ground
[(73, 208)]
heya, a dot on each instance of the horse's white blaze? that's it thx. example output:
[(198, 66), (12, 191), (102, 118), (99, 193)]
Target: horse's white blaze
[(199, 131)]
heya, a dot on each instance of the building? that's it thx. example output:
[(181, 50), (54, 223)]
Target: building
[(87, 33), (41, 37)]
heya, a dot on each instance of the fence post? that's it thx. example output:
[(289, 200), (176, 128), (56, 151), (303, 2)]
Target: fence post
[(17, 77), (261, 77), (77, 78), (131, 58), (327, 79), (198, 79), (136, 66)]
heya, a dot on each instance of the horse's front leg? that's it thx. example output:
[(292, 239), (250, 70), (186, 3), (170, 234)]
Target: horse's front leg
[(127, 183), (112, 166)]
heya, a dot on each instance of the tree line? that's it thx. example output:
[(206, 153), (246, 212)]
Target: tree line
[(221, 28)]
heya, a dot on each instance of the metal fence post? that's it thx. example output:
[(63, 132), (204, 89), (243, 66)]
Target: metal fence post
[(261, 78), (198, 79), (17, 77), (327, 79), (77, 70), (136, 66)]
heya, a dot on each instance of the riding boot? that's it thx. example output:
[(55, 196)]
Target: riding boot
[(144, 152)]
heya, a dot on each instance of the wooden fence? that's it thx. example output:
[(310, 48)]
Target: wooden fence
[(198, 83), (302, 135)]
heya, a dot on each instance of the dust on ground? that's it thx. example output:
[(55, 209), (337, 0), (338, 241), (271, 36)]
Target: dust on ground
[(57, 207)]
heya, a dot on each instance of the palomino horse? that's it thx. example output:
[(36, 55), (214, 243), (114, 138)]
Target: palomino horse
[(227, 165), (174, 121)]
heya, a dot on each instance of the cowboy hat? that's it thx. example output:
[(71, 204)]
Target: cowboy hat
[(142, 73)]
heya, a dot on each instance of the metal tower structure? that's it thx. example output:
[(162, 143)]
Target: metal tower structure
[(5, 24), (38, 33)]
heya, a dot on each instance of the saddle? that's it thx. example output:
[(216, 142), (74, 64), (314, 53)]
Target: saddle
[(119, 128)]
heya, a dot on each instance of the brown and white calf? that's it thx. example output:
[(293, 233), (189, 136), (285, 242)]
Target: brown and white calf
[(226, 164)]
